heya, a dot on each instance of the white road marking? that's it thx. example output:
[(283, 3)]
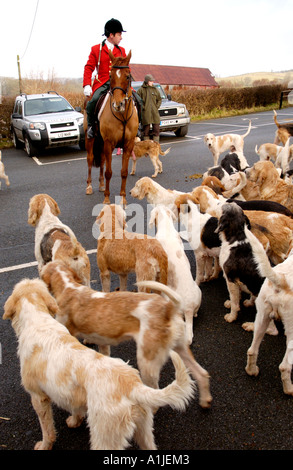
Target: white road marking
[(31, 264), (19, 266), (237, 126), (38, 162)]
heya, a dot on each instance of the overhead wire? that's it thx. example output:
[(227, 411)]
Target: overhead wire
[(31, 29)]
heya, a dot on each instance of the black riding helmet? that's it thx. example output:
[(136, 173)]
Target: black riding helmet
[(113, 26)]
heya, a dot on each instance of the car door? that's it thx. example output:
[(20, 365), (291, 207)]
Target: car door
[(17, 120)]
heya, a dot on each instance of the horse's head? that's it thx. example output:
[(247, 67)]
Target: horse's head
[(120, 79)]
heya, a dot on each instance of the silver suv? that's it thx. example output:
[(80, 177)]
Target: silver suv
[(45, 120), (174, 116)]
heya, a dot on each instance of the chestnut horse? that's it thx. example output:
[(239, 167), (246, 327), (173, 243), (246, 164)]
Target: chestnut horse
[(118, 127)]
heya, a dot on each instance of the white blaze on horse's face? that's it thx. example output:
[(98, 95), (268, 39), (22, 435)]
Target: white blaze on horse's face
[(119, 98)]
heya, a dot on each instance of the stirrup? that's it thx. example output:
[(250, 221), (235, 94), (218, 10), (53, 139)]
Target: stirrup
[(90, 133)]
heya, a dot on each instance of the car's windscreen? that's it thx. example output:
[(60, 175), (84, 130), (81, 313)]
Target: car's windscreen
[(46, 105), (162, 93)]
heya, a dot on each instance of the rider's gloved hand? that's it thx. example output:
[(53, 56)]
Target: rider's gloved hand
[(87, 90)]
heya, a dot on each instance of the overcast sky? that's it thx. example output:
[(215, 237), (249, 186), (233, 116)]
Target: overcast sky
[(229, 37)]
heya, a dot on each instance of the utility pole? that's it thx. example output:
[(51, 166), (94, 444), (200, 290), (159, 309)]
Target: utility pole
[(19, 74)]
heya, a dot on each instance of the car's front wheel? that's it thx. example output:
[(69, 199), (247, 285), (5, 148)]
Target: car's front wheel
[(182, 131), (29, 147)]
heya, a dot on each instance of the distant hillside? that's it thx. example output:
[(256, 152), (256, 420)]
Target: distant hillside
[(256, 78)]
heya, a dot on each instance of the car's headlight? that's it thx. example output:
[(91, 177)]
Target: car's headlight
[(80, 121), (181, 110), (38, 125)]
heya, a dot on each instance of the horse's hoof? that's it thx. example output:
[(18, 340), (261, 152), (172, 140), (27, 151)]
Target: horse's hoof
[(106, 200), (89, 190), (102, 189)]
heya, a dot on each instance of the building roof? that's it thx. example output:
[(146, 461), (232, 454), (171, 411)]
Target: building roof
[(174, 75)]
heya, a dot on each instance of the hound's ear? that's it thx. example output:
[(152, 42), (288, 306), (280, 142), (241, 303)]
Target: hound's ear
[(33, 214), (146, 188), (9, 308), (54, 206), (247, 221), (50, 303), (222, 225), (260, 178), (46, 274)]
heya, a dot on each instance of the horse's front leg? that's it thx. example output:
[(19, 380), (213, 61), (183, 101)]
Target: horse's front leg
[(124, 174), (107, 157)]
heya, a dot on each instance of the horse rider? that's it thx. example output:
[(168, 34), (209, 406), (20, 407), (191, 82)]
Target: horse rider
[(99, 59)]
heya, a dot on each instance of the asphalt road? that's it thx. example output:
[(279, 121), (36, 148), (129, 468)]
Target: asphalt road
[(247, 413)]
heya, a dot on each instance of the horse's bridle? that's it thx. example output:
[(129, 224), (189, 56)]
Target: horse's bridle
[(127, 98), (119, 87)]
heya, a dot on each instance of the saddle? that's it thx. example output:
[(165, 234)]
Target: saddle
[(100, 105)]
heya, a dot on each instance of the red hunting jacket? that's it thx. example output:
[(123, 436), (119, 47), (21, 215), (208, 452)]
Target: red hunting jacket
[(104, 67)]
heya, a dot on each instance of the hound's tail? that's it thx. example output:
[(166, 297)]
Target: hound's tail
[(177, 394), (256, 150), (166, 151), (238, 188), (248, 130), (263, 264), (275, 119), (158, 287)]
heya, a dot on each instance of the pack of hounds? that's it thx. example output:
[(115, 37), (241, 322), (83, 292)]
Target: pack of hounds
[(239, 224)]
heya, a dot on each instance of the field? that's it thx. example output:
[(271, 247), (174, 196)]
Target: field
[(257, 78)]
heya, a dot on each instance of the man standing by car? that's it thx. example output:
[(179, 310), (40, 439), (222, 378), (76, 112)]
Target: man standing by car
[(151, 98), (99, 59)]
